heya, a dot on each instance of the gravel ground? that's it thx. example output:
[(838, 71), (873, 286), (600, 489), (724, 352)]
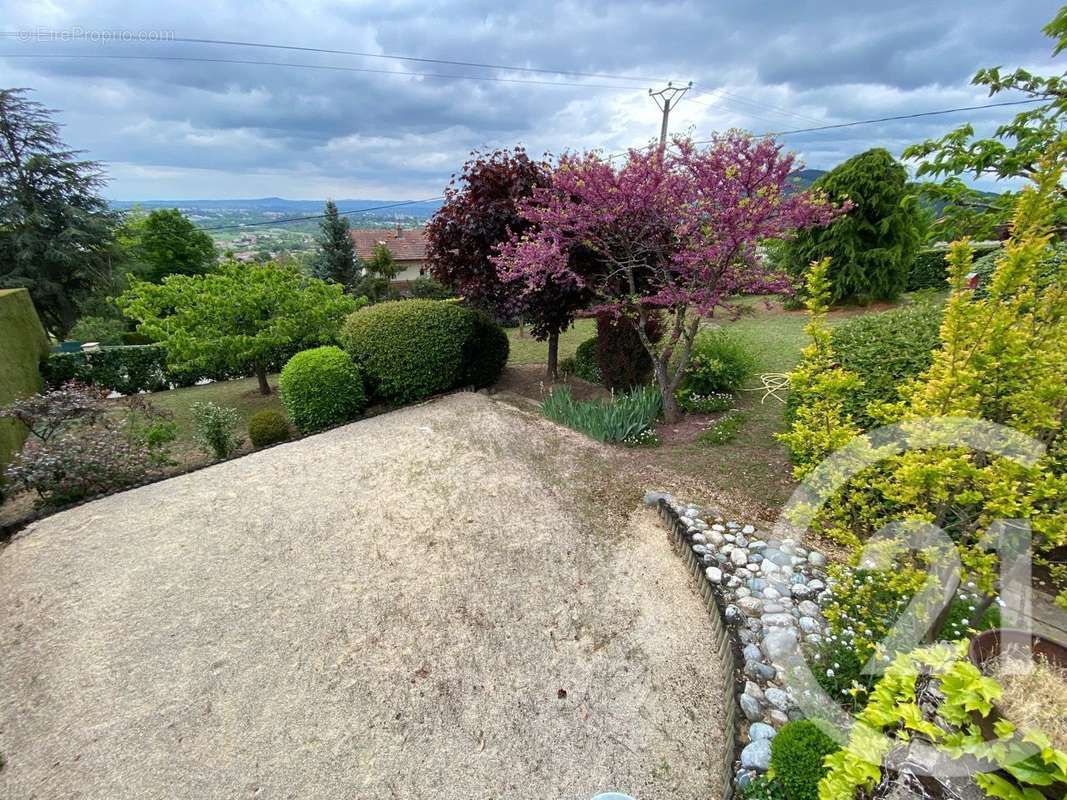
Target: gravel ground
[(417, 605)]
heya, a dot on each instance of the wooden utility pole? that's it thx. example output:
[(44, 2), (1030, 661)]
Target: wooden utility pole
[(666, 99)]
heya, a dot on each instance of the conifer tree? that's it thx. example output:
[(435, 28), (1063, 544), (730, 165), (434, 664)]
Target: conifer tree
[(870, 248), (336, 259), (57, 234)]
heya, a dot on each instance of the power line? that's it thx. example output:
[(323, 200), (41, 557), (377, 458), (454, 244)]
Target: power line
[(321, 216), (755, 104), (66, 35), (891, 119), (654, 144), (854, 123), (326, 67)]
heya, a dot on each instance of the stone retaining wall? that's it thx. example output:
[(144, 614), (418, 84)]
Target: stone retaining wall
[(763, 597)]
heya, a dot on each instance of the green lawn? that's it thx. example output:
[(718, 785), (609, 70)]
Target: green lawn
[(241, 394), (527, 350), (752, 472)]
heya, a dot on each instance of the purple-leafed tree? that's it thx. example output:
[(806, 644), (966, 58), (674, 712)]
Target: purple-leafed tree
[(480, 213), (675, 231)]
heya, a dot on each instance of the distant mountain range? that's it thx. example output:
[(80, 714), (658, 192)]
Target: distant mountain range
[(266, 209)]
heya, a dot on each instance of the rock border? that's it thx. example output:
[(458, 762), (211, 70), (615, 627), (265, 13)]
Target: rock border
[(763, 596)]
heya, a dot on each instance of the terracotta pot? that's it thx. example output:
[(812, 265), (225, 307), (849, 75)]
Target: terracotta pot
[(989, 644)]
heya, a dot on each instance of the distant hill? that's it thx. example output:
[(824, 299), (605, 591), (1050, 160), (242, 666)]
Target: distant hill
[(803, 178), (280, 205)]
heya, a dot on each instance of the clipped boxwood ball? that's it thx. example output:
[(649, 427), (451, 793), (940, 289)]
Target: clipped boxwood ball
[(320, 388), (267, 427), (797, 754), (409, 349)]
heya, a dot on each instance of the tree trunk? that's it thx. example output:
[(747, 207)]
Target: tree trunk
[(261, 374), (671, 412), (949, 594), (553, 356)]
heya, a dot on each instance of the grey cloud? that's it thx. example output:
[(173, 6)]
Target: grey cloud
[(170, 127)]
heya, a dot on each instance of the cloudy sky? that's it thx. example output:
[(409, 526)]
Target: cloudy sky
[(173, 128)]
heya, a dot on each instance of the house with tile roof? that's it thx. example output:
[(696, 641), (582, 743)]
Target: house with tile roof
[(408, 246)]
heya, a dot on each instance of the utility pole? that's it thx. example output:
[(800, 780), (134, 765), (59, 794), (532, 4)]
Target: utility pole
[(665, 99)]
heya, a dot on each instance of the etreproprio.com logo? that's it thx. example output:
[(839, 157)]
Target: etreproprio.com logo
[(73, 34)]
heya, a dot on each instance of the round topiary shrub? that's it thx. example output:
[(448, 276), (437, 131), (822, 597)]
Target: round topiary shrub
[(585, 361), (485, 352), (320, 388), (720, 362), (267, 427), (409, 349), (797, 754)]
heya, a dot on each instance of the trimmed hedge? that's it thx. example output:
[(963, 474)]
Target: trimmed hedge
[(320, 388), (485, 352), (797, 754), (126, 370), (884, 350), (425, 287), (138, 368), (412, 349), (24, 345), (984, 265), (267, 427), (929, 269)]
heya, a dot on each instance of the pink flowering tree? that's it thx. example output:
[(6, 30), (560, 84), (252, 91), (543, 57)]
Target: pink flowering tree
[(676, 232)]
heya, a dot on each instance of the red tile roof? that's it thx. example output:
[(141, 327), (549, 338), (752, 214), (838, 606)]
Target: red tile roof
[(406, 244)]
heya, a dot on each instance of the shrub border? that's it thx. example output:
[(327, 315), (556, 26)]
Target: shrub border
[(727, 644), (9, 530)]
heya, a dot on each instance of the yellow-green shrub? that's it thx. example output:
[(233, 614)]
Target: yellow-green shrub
[(1001, 359)]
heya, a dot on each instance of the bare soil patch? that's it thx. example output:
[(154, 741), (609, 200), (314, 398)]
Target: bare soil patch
[(455, 600)]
